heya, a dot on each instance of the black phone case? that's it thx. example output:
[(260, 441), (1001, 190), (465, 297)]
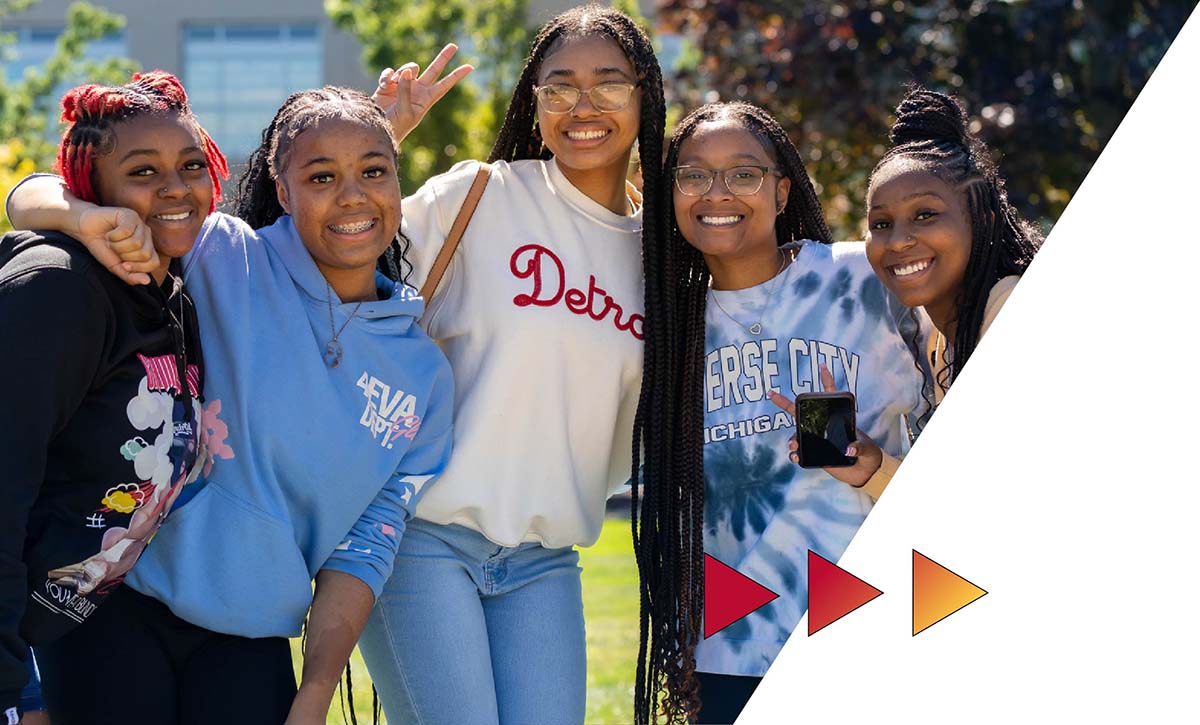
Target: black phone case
[(821, 452)]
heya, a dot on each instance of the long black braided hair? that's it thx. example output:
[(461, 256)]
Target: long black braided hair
[(667, 579), (257, 202), (670, 418), (932, 132)]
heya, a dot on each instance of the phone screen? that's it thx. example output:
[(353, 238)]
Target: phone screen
[(825, 426)]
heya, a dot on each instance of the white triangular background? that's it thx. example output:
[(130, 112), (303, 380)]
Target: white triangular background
[(1060, 475)]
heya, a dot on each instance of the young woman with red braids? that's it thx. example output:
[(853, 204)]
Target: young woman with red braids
[(102, 381)]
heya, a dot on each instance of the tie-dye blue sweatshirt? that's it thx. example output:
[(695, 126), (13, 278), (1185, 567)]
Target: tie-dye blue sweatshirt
[(762, 512), (311, 467)]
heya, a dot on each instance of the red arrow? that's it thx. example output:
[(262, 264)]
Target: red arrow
[(729, 596), (833, 592)]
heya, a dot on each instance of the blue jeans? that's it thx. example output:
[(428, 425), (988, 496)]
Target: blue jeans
[(31, 694), (467, 632)]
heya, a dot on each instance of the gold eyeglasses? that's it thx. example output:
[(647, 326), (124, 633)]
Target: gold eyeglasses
[(607, 97)]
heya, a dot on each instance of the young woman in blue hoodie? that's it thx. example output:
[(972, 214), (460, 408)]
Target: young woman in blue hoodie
[(328, 412)]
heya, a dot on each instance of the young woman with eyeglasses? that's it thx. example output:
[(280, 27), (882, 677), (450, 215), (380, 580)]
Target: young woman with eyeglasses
[(541, 315), (770, 306)]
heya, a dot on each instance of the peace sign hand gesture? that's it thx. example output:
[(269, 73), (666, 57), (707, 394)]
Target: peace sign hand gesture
[(406, 96), (868, 455)]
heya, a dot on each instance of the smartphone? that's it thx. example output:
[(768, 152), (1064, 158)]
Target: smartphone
[(825, 426)]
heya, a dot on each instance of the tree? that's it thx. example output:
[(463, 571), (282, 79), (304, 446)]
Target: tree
[(1048, 81), (492, 36), (25, 105)]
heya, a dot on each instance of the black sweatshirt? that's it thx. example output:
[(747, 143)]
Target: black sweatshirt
[(97, 436)]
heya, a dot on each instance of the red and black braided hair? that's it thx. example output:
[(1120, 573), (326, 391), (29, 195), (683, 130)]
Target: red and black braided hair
[(91, 111)]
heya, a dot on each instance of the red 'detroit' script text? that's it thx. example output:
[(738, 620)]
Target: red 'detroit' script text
[(533, 261)]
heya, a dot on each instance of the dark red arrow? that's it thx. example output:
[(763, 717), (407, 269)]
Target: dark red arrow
[(729, 596), (833, 593)]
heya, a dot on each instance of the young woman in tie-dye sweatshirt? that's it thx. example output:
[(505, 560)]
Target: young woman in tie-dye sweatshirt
[(768, 303)]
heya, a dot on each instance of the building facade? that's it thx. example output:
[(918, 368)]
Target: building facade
[(239, 59)]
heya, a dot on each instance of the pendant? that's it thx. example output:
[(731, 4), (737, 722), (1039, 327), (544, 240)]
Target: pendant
[(333, 353), (756, 328)]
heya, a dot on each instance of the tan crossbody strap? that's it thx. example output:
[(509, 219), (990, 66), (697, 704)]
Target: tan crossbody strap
[(456, 231)]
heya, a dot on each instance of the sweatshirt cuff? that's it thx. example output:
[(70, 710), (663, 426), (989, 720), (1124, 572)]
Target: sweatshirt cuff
[(876, 483)]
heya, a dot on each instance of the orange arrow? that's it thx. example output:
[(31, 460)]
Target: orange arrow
[(729, 596), (937, 592), (833, 592)]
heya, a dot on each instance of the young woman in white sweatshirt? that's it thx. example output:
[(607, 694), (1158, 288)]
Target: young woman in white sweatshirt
[(540, 313)]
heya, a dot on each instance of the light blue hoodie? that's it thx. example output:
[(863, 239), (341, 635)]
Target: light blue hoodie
[(312, 467)]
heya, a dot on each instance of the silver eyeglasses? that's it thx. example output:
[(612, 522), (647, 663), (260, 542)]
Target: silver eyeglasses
[(740, 180), (607, 97)]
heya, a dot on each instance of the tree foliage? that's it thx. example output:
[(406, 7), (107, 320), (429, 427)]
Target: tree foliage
[(492, 36), (25, 106), (1048, 81)]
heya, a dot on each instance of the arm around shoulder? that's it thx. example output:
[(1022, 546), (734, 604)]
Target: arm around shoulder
[(43, 201), (116, 237)]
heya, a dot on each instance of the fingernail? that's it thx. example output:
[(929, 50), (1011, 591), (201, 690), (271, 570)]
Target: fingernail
[(127, 266), (851, 451)]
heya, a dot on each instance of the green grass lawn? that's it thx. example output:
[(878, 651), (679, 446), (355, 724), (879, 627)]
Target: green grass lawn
[(610, 606)]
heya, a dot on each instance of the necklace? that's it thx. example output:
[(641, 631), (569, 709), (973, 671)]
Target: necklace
[(756, 328), (333, 348), (177, 289), (179, 336)]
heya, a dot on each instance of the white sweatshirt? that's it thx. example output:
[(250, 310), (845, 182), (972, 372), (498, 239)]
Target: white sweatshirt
[(540, 313)]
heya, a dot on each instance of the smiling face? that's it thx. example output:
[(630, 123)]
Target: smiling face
[(585, 138), (722, 225), (158, 169), (338, 182), (919, 237)]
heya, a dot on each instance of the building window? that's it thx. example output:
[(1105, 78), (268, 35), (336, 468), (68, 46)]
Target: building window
[(238, 75), (33, 47)]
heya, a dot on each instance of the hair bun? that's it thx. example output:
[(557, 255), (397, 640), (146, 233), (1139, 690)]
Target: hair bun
[(926, 115)]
